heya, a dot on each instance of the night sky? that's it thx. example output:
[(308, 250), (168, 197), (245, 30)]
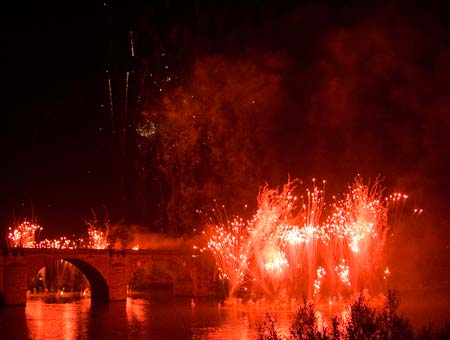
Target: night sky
[(221, 98)]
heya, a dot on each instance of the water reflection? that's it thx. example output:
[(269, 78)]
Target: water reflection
[(150, 316), (140, 317), (57, 321), (135, 310)]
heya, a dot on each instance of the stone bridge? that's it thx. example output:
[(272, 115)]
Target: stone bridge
[(108, 271)]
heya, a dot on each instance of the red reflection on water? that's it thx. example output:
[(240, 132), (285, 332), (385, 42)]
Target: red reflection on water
[(164, 318), (136, 310), (57, 321)]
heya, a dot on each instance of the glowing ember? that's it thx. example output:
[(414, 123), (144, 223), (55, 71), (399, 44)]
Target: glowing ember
[(61, 243), (289, 247), (97, 239), (24, 235), (318, 281), (343, 271)]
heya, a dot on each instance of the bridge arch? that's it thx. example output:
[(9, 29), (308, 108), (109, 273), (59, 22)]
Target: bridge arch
[(99, 286), (181, 281), (100, 290)]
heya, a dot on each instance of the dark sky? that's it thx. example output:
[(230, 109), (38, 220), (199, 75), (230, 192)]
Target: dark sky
[(53, 62), (338, 90)]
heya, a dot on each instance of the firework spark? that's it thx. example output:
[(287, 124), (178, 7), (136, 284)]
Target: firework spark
[(318, 281), (291, 243), (26, 235)]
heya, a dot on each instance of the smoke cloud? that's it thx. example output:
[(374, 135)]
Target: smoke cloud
[(215, 135)]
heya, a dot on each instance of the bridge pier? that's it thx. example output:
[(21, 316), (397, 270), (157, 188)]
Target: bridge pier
[(15, 287), (203, 277), (118, 283)]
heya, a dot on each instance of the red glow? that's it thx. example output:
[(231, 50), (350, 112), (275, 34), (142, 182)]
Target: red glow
[(290, 246)]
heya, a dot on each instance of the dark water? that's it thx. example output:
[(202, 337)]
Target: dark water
[(159, 316)]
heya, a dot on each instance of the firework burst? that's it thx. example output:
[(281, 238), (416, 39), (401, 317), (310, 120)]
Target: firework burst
[(298, 245)]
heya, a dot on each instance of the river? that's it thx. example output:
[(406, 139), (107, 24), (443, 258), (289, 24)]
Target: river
[(160, 316), (140, 317)]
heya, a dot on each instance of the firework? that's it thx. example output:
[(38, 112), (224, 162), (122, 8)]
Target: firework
[(229, 244), (299, 245), (26, 234), (97, 239)]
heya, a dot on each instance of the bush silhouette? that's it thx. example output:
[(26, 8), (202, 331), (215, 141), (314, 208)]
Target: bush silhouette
[(362, 323), (304, 326)]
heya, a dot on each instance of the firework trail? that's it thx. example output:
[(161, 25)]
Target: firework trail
[(131, 44), (111, 104)]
